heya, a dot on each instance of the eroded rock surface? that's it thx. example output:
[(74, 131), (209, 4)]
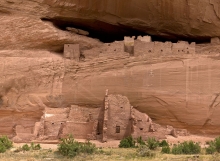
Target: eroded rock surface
[(173, 88), (190, 19)]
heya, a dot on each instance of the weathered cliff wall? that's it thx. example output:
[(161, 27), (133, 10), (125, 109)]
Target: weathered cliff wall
[(189, 19), (178, 89)]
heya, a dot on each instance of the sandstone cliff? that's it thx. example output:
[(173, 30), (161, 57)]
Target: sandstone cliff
[(178, 90), (189, 19)]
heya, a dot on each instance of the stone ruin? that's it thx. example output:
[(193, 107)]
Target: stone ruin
[(215, 40), (72, 51), (129, 45), (133, 47), (114, 121)]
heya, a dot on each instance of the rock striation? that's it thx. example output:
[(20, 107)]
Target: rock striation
[(174, 85), (181, 19)]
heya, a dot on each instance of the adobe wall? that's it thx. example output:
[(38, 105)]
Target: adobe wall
[(72, 51), (129, 45), (79, 130), (52, 129), (183, 47), (81, 122), (114, 48), (139, 47), (142, 48), (160, 48), (119, 115), (215, 40), (141, 124)]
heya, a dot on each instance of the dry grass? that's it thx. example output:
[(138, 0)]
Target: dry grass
[(105, 154)]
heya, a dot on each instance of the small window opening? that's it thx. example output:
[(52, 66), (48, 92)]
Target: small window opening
[(97, 129), (117, 129), (141, 128), (149, 51), (52, 123), (121, 107)]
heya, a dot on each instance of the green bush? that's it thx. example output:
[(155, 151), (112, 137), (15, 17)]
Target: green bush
[(127, 142), (35, 147), (163, 143), (140, 141), (70, 148), (165, 149), (2, 148), (217, 144), (211, 149), (144, 151), (176, 149), (214, 146), (152, 143), (25, 147), (87, 147), (186, 148), (5, 143)]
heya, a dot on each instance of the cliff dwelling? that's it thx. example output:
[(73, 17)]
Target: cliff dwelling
[(159, 60), (115, 120)]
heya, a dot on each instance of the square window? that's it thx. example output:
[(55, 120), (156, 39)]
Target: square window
[(117, 129)]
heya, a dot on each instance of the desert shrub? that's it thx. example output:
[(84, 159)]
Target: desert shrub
[(25, 147), (152, 143), (87, 147), (35, 147), (217, 144), (144, 151), (214, 146), (140, 141), (176, 149), (2, 148), (5, 143), (211, 149), (127, 142), (70, 148), (186, 148), (163, 143), (165, 149)]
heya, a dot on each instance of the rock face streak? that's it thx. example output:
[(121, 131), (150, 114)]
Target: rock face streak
[(181, 90)]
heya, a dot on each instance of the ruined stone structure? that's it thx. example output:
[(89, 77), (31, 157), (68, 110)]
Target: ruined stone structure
[(144, 38), (143, 47), (140, 47), (215, 40), (129, 45), (72, 51), (116, 120)]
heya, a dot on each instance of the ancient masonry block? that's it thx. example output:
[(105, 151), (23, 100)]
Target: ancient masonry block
[(183, 47), (129, 45), (142, 48), (72, 51), (215, 40), (105, 121), (144, 38)]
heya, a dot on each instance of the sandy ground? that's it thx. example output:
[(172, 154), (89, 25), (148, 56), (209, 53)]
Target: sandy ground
[(115, 143)]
